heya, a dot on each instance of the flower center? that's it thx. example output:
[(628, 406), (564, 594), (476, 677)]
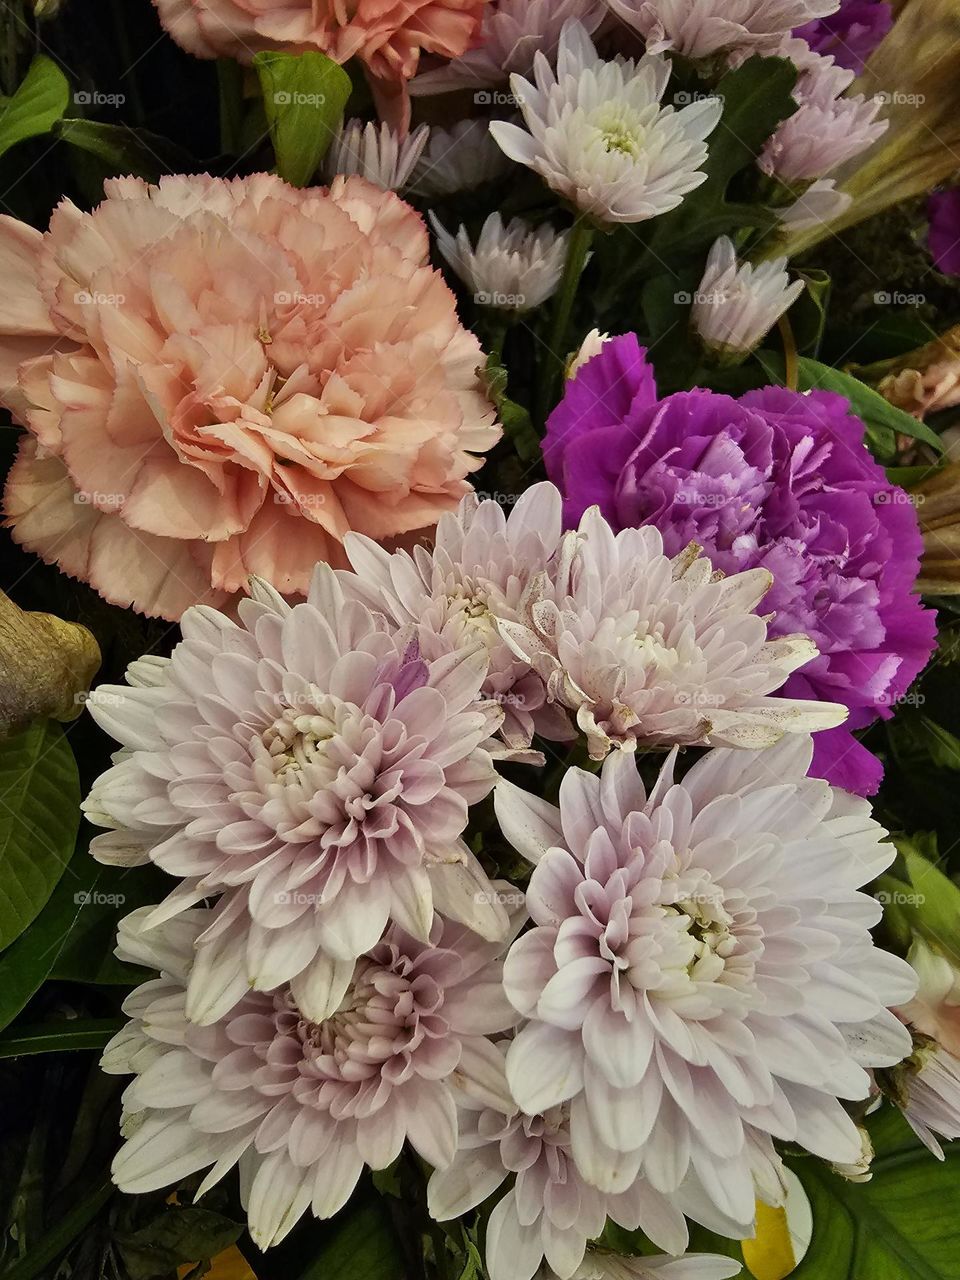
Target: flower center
[(295, 740)]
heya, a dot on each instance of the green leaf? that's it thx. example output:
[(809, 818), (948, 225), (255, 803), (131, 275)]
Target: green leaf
[(518, 426), (61, 1234), (756, 97), (123, 150), (303, 96), (37, 105), (365, 1247), (928, 902), (64, 1036), (808, 315), (883, 420), (179, 1234), (107, 894), (39, 817), (894, 1227)]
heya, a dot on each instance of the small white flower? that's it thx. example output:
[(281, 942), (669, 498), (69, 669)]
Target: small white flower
[(512, 32), (458, 159), (737, 305), (376, 153), (514, 267), (599, 137), (701, 28), (591, 346), (820, 203)]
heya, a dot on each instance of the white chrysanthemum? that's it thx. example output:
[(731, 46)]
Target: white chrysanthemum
[(376, 152), (737, 304), (514, 267), (652, 650), (599, 136), (314, 769), (702, 28), (302, 1102), (591, 346), (481, 569), (513, 32), (701, 979), (460, 158), (828, 128), (928, 1085), (821, 203)]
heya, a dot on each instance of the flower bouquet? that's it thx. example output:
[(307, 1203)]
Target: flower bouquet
[(480, 713)]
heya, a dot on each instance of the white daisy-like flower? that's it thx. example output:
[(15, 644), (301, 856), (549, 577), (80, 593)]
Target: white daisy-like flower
[(514, 267), (513, 32), (702, 28), (598, 1264), (376, 152), (302, 1102), (928, 1084), (658, 651), (460, 158), (737, 304), (598, 136), (701, 979)]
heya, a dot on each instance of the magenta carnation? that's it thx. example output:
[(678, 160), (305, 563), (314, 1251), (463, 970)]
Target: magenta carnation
[(851, 34), (773, 479)]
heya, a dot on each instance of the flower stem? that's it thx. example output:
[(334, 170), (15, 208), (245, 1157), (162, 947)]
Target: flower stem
[(581, 238)]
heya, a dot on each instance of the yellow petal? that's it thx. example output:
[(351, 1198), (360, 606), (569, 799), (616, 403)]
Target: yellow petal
[(769, 1255), (47, 666)]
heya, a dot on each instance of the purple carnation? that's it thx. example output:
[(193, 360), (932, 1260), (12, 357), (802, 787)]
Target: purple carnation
[(851, 34), (943, 238), (775, 479)]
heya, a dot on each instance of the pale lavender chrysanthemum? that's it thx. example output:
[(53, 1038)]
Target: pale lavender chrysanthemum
[(598, 136), (313, 768), (460, 158), (598, 1264), (513, 32), (302, 1103), (481, 570), (703, 28), (821, 203), (376, 152), (737, 304), (828, 128), (928, 1085), (701, 979), (549, 1212), (514, 267), (658, 651)]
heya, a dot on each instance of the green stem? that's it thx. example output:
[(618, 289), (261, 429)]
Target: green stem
[(581, 238), (230, 81), (58, 1037)]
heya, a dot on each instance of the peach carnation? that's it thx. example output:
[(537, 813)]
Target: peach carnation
[(223, 378)]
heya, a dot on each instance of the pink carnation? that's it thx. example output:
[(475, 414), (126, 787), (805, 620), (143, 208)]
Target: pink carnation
[(222, 378), (388, 36)]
